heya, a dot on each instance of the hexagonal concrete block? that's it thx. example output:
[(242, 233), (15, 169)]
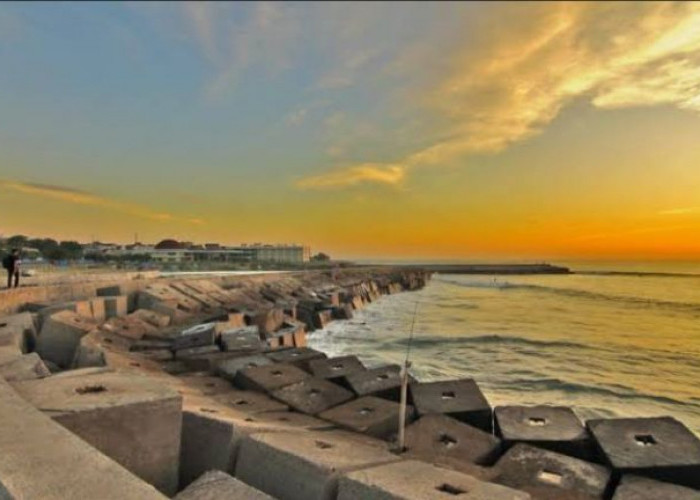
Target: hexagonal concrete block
[(442, 439), (661, 448), (556, 428), (414, 480), (268, 378), (460, 399), (548, 475), (369, 415), (313, 395)]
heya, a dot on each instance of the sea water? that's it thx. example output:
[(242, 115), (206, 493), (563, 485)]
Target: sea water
[(606, 344)]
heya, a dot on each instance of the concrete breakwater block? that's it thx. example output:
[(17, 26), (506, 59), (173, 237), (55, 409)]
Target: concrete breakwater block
[(60, 336), (24, 367), (548, 475), (42, 459), (269, 320), (19, 331), (444, 440), (661, 448), (556, 428), (342, 312), (246, 338), (641, 488), (153, 318), (293, 419), (414, 480), (369, 415), (201, 384), (250, 402), (215, 485), (382, 382), (322, 318), (129, 327), (207, 362), (131, 419), (202, 299), (460, 399), (116, 306), (159, 293), (336, 368), (313, 395), (303, 466), (196, 336), (297, 356), (268, 378), (229, 368)]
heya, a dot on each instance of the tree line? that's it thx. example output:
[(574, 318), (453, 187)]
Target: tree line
[(49, 249)]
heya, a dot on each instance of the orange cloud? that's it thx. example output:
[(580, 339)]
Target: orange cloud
[(365, 173)]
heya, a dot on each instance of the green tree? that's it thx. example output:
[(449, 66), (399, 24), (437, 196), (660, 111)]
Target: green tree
[(321, 257), (72, 249), (16, 241)]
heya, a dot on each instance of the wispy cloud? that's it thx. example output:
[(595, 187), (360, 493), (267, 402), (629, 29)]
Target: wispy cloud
[(373, 173), (79, 197), (526, 69), (681, 211)]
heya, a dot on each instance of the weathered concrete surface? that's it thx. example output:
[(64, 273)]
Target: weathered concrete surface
[(196, 336), (241, 339), (642, 488), (298, 356), (551, 476), (294, 419), (153, 318), (42, 459), (661, 448), (414, 480), (250, 402), (230, 367), (444, 440), (201, 383), (217, 485), (60, 336), (116, 306), (24, 367), (336, 368), (313, 395), (369, 415), (134, 420), (556, 428), (303, 466), (19, 331), (460, 399), (268, 378), (382, 382)]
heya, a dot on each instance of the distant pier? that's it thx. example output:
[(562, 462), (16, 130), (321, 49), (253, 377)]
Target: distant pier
[(496, 269)]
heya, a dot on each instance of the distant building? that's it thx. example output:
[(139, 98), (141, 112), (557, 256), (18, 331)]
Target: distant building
[(174, 251)]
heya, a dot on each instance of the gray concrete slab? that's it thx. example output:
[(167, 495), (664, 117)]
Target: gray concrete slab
[(336, 368), (42, 459), (246, 339), (382, 382), (313, 395), (461, 399), (551, 476), (196, 336), (217, 485), (297, 356), (134, 420), (24, 367), (661, 448), (444, 440), (250, 402), (228, 368), (641, 488), (303, 465), (19, 331), (369, 415), (414, 480), (294, 419), (269, 378), (556, 428)]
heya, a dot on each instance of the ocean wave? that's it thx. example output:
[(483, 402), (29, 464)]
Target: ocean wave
[(440, 340), (688, 307)]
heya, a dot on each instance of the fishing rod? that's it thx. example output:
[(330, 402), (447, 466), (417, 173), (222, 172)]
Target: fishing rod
[(404, 385)]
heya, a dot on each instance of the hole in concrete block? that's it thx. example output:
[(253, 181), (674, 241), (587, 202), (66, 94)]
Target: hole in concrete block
[(323, 445), (314, 392), (283, 419), (645, 439), (537, 421), (3, 325), (295, 354), (550, 477), (448, 395), (209, 384), (208, 410), (277, 373), (108, 341), (365, 411), (240, 402), (452, 490), (383, 376), (134, 364), (249, 419), (339, 366), (91, 389), (447, 441)]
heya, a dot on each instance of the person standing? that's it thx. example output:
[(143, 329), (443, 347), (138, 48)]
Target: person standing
[(12, 263)]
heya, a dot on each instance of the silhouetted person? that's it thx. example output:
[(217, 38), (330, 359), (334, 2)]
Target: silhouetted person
[(12, 263)]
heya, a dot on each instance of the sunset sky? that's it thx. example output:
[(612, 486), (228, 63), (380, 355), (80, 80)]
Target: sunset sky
[(366, 130)]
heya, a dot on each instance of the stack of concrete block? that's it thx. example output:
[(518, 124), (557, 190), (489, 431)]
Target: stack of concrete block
[(460, 399), (60, 337), (659, 448), (134, 420), (555, 428), (216, 484)]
